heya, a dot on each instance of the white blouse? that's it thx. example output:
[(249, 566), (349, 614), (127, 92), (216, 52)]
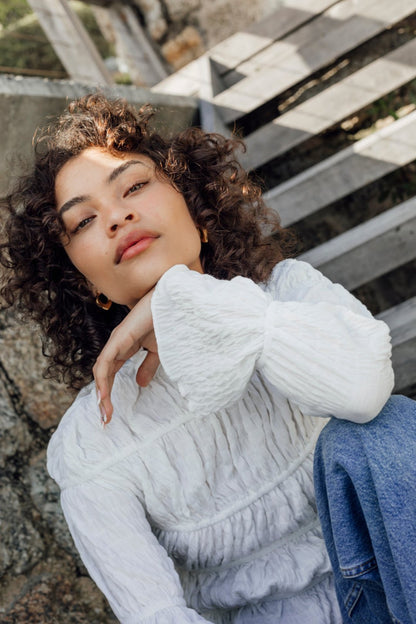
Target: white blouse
[(196, 503)]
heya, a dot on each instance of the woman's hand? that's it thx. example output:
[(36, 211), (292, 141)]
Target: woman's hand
[(135, 331)]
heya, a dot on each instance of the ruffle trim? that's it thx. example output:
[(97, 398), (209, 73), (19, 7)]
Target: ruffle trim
[(283, 572), (317, 604)]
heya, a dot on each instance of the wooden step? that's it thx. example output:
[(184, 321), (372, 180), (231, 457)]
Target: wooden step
[(402, 322), (242, 45), (285, 63), (364, 162), (370, 249), (331, 106)]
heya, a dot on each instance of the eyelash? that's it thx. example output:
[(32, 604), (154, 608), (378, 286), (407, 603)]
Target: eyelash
[(134, 187), (82, 224)]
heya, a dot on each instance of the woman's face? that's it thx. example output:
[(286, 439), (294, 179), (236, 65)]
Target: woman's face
[(126, 226)]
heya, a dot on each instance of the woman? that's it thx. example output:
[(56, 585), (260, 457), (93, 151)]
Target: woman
[(193, 501)]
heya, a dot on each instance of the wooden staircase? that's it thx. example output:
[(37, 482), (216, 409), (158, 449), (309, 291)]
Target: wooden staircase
[(240, 84)]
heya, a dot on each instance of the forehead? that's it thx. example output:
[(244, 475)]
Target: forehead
[(94, 166), (96, 159)]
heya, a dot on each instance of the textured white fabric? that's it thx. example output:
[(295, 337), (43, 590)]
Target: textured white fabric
[(211, 464)]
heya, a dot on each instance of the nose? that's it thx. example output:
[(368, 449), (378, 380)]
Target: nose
[(117, 218)]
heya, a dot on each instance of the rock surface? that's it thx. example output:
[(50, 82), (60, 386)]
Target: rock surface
[(42, 579)]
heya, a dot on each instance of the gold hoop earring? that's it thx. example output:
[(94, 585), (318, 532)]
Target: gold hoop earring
[(103, 302), (203, 233)]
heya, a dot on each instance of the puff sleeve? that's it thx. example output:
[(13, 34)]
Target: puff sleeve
[(316, 343), (123, 557)]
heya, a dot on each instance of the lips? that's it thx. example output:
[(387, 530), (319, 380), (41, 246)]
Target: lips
[(133, 244)]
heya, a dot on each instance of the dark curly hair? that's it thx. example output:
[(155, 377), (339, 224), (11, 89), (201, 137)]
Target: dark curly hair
[(245, 237)]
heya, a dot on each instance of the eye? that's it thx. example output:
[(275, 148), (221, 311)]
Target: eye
[(82, 224), (136, 187)]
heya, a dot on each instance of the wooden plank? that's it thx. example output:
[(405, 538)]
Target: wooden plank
[(402, 322), (370, 249), (331, 106), (186, 81), (285, 63), (275, 54), (211, 120), (404, 365), (134, 48), (242, 45), (70, 41), (348, 170)]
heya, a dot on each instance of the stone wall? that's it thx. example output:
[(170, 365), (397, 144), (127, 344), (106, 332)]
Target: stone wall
[(42, 580)]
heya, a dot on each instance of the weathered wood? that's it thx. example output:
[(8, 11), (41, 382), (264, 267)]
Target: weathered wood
[(370, 249), (242, 45), (211, 119), (402, 322), (348, 170), (404, 364), (70, 41), (145, 67), (287, 62), (331, 106)]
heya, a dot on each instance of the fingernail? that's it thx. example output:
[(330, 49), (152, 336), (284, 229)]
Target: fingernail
[(104, 418), (98, 397)]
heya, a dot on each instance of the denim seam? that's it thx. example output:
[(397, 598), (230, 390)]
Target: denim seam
[(353, 597), (371, 564)]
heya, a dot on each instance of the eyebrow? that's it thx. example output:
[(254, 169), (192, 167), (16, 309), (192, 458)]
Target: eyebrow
[(119, 170), (113, 176), (73, 202)]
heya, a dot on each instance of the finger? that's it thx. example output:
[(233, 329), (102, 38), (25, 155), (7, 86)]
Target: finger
[(104, 404), (147, 369), (104, 372), (149, 342)]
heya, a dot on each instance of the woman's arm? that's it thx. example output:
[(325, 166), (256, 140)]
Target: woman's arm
[(123, 556), (316, 343)]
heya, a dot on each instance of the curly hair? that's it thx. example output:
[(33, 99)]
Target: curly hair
[(245, 237)]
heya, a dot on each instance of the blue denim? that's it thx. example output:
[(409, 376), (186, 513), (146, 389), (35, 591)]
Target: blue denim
[(365, 482)]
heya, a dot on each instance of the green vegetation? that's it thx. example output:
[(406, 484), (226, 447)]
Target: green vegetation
[(13, 10), (25, 48)]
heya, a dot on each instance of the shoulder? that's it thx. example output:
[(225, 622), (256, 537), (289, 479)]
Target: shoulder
[(298, 281), (289, 276), (80, 448)]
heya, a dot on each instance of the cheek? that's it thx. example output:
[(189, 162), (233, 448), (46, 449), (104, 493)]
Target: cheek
[(84, 261), (190, 239)]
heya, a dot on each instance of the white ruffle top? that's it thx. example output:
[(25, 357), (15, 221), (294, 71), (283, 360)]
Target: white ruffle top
[(196, 503)]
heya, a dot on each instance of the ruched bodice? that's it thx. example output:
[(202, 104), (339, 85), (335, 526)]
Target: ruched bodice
[(196, 502)]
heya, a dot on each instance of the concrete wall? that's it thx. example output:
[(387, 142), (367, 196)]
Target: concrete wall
[(29, 103)]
